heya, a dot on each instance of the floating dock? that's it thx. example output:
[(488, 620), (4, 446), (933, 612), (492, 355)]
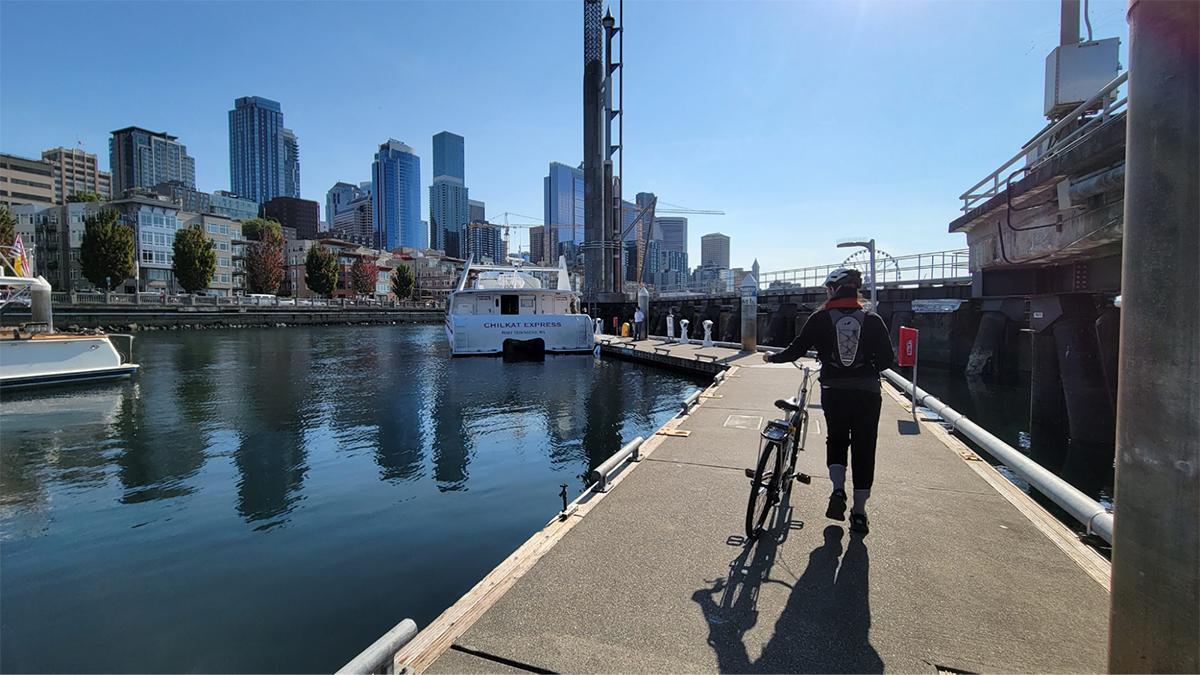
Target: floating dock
[(961, 572)]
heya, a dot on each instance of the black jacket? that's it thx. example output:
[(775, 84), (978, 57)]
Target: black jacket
[(875, 346)]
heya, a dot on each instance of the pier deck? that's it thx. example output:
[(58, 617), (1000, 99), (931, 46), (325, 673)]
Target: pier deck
[(961, 572)]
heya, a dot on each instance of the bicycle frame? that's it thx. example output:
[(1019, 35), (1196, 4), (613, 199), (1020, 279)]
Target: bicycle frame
[(784, 439)]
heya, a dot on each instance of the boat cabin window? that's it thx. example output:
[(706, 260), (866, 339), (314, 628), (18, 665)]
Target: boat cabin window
[(510, 304)]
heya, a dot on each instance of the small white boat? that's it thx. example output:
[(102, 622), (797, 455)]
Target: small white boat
[(501, 309), (37, 358)]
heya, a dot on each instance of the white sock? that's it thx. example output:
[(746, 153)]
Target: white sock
[(860, 501), (837, 474)]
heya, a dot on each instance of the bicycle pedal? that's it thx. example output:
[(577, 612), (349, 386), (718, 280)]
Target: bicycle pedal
[(749, 473), (804, 478)]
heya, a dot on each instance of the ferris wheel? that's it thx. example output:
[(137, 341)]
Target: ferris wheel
[(885, 266)]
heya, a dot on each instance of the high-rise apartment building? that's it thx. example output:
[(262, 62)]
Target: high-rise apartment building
[(563, 211), (355, 220), (233, 206), (142, 159), (448, 196), (264, 157), (25, 181), (186, 198), (714, 250), (338, 197), (77, 171), (396, 175), (537, 245), (674, 233), (301, 215)]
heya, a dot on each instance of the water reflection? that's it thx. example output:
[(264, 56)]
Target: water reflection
[(243, 464)]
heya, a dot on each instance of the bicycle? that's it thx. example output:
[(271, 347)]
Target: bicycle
[(782, 440)]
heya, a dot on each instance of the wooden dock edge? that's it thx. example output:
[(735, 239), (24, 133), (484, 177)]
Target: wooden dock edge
[(1095, 565), (440, 635)]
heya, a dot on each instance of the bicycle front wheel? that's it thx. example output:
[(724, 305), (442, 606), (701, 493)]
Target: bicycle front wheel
[(763, 491)]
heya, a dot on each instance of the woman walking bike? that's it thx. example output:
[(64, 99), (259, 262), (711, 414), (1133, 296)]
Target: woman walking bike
[(853, 347)]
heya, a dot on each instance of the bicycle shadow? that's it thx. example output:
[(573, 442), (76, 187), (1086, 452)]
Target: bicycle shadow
[(824, 626)]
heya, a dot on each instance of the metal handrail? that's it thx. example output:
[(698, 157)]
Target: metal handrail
[(1093, 515), (969, 199), (936, 266)]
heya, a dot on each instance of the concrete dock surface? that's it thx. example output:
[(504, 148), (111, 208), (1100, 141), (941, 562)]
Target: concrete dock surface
[(961, 572)]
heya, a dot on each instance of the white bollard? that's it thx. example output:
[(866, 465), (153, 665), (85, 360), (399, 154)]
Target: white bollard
[(708, 341), (670, 327), (599, 326), (683, 332)]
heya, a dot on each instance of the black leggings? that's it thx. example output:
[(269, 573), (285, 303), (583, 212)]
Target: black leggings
[(852, 416)]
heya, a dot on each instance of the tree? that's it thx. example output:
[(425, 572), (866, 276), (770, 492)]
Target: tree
[(8, 233), (106, 253), (264, 262), (364, 274), (253, 229), (321, 270), (84, 197), (195, 259), (403, 282)]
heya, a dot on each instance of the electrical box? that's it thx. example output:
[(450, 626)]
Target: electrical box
[(1074, 73)]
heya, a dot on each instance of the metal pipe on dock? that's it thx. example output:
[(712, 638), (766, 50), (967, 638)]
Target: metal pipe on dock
[(599, 475), (377, 658), (1086, 510)]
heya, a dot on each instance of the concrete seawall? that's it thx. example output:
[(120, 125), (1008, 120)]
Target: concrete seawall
[(213, 317)]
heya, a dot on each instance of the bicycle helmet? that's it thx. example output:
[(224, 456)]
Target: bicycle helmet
[(842, 276)]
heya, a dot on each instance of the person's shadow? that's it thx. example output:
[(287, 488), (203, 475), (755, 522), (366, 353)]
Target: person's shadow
[(823, 628)]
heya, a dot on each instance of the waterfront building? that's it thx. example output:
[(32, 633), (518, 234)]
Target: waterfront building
[(76, 170), (188, 199), (230, 204), (563, 211), (222, 231), (396, 194), (155, 220), (26, 181), (714, 250), (448, 196), (301, 215), (436, 274), (142, 159), (264, 157), (54, 235)]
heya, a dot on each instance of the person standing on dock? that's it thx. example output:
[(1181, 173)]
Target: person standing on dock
[(853, 346), (638, 318)]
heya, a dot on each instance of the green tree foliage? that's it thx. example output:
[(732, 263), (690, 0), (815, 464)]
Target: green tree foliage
[(321, 270), (403, 282), (363, 276), (195, 259), (253, 229), (106, 253), (8, 233), (264, 262), (84, 197)]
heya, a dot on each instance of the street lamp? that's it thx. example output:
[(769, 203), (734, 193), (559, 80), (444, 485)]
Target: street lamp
[(870, 246)]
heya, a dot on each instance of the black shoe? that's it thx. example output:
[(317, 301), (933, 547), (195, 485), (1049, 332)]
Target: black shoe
[(858, 523), (837, 505)]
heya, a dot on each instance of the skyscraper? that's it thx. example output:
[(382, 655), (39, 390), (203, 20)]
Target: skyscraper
[(264, 157), (142, 159), (563, 207), (396, 205), (448, 211), (714, 250), (674, 233), (338, 197)]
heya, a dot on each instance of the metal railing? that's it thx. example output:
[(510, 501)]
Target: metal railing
[(78, 299), (1094, 516), (1044, 146), (939, 266)]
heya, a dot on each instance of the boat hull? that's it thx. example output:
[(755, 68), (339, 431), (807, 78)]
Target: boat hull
[(57, 359), (486, 335)]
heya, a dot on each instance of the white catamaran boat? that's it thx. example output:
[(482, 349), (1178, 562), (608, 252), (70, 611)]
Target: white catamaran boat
[(501, 309), (45, 357)]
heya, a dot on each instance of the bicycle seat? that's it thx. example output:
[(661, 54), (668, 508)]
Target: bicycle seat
[(789, 405)]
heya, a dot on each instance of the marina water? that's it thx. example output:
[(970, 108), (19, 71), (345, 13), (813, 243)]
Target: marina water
[(275, 500)]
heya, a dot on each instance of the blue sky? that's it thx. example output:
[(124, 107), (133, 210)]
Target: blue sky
[(806, 122)]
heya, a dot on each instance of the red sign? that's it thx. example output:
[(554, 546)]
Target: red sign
[(908, 347)]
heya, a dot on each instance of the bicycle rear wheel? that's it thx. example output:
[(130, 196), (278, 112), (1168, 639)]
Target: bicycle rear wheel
[(763, 490)]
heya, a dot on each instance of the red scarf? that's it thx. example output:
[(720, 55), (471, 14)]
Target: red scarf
[(843, 303)]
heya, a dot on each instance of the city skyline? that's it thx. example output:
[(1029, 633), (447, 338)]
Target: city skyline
[(816, 136)]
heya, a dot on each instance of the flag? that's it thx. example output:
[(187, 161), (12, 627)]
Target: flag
[(908, 347), (20, 260)]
